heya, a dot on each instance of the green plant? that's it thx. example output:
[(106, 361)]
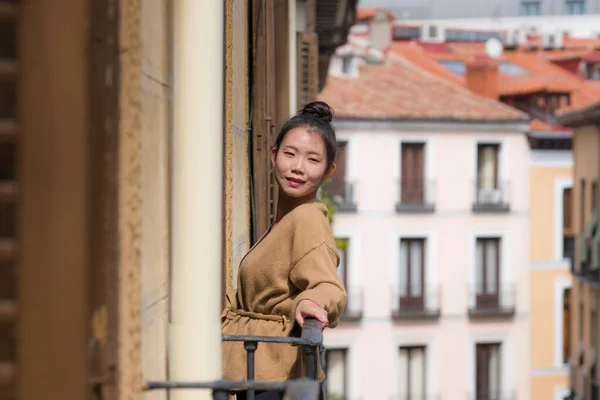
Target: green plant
[(325, 199)]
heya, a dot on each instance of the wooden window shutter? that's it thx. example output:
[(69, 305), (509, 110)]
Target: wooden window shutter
[(307, 67)]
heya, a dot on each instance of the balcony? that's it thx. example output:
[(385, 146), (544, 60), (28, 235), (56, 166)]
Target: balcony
[(307, 388), (341, 194), (416, 196), (496, 303), (354, 305), (491, 200), (494, 396), (416, 306)]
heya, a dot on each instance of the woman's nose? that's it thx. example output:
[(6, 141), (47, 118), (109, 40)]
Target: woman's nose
[(298, 167)]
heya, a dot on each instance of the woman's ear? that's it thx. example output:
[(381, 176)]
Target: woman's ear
[(330, 171), (273, 156)]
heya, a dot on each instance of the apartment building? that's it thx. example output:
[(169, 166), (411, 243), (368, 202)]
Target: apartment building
[(433, 228), (585, 296), (552, 246)]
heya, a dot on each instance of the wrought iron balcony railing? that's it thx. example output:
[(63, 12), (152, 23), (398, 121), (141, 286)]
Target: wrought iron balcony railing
[(416, 196), (341, 193), (491, 198), (306, 388), (499, 395), (588, 273), (416, 397), (354, 304), (487, 301), (409, 303)]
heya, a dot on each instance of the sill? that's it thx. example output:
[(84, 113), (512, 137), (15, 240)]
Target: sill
[(496, 312), (346, 207), (491, 208), (415, 315), (403, 208)]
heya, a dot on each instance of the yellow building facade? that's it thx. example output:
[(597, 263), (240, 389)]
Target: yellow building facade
[(551, 181)]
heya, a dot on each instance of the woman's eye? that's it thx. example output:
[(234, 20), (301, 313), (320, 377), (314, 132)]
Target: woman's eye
[(287, 153), (313, 160)]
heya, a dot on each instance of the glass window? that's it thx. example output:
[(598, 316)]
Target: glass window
[(576, 7), (531, 8), (508, 68), (458, 67)]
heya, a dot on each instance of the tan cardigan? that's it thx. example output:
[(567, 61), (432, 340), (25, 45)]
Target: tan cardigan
[(296, 260)]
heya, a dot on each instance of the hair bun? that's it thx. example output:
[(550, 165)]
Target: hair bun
[(319, 110)]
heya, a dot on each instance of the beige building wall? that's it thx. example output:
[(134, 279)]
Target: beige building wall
[(549, 273), (584, 298)]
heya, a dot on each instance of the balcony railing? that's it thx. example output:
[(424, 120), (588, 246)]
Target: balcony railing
[(588, 273), (411, 304), (489, 301), (494, 199), (416, 196), (354, 304), (307, 388), (416, 397), (494, 396), (341, 194)]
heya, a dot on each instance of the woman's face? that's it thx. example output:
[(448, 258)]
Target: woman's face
[(300, 163)]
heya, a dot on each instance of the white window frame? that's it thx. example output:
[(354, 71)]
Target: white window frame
[(431, 260), (427, 341), (353, 259), (560, 284), (353, 360), (560, 184), (351, 167), (428, 160), (506, 360), (502, 166)]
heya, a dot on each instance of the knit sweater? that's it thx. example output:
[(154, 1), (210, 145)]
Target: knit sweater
[(295, 260)]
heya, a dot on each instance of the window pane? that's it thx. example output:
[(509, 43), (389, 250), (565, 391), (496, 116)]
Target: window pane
[(416, 258), (487, 166), (403, 373), (417, 372), (494, 368), (479, 267), (336, 373), (403, 268), (491, 261)]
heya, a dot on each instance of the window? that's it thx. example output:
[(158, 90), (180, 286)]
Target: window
[(337, 374), (566, 325), (575, 7), (487, 270), (413, 167), (531, 8), (339, 189), (458, 67), (582, 206), (412, 271), (487, 174), (346, 65), (342, 248), (412, 383), (488, 365), (508, 68), (568, 236), (593, 189)]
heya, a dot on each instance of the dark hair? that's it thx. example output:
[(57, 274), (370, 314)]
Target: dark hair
[(317, 117)]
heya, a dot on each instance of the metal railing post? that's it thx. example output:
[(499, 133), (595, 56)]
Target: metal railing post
[(250, 349)]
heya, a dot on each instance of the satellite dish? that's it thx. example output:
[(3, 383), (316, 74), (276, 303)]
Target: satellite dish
[(494, 48)]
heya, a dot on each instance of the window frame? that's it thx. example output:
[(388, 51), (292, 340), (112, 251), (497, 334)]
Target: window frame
[(482, 298), (406, 299), (531, 5), (345, 352), (499, 349), (406, 394)]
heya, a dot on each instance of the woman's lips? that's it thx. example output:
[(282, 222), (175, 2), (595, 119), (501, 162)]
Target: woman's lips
[(294, 182)]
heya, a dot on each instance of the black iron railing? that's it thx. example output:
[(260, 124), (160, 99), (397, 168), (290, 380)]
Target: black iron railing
[(416, 196), (500, 395), (306, 388), (491, 198), (341, 193), (489, 300), (587, 273), (408, 303)]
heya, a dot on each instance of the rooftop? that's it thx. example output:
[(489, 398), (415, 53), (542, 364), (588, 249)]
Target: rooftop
[(399, 90)]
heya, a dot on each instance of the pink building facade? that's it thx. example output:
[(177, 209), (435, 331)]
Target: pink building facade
[(431, 342)]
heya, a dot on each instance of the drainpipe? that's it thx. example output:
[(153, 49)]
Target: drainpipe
[(292, 55), (197, 202)]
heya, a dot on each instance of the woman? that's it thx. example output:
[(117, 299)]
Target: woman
[(290, 273)]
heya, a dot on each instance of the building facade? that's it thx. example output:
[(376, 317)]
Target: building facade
[(585, 377), (433, 227), (552, 246)]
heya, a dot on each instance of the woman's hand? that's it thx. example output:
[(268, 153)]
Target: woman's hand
[(310, 309)]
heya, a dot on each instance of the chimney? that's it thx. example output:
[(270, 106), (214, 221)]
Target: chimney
[(482, 77), (381, 29)]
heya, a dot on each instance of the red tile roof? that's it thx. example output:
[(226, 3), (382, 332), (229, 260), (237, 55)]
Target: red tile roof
[(399, 90), (539, 126), (368, 13)]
